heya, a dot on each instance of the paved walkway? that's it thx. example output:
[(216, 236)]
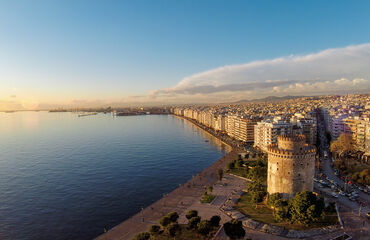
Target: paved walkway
[(222, 190)]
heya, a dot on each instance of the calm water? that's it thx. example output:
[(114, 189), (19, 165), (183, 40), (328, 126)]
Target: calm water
[(65, 177)]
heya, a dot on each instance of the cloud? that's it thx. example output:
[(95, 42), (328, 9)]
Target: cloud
[(336, 69)]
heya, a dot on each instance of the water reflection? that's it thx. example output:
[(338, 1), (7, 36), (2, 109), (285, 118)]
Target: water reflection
[(214, 141), (68, 177)]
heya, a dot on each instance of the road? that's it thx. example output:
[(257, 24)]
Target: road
[(353, 215)]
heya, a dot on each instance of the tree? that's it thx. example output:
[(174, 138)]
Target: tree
[(239, 163), (306, 208), (204, 227), (281, 213), (234, 229), (191, 214), (215, 221), (142, 236), (173, 228), (231, 165), (364, 173), (164, 221), (257, 197), (153, 229), (193, 222), (173, 216), (343, 145), (257, 191), (256, 186), (220, 174), (273, 199), (210, 188), (258, 172)]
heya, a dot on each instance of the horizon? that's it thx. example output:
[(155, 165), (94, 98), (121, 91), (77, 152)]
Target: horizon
[(267, 99), (164, 53)]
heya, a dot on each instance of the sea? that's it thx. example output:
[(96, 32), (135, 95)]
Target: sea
[(68, 177)]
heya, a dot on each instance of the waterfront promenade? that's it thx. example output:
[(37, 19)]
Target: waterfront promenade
[(179, 200)]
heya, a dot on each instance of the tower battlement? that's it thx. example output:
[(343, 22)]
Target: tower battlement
[(291, 165)]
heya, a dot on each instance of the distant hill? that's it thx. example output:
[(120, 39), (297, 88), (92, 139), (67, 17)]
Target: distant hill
[(270, 99)]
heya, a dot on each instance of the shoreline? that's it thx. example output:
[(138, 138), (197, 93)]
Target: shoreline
[(178, 200), (201, 127)]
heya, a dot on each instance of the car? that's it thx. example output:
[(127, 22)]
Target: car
[(368, 215), (334, 195), (342, 193), (352, 199), (361, 188), (321, 186)]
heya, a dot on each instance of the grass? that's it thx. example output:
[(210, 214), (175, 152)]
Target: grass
[(207, 198), (239, 172), (264, 214), (185, 234)]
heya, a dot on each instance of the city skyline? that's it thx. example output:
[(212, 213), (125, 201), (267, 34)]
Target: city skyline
[(58, 54)]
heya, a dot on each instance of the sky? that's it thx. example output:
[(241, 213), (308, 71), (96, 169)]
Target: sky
[(100, 53)]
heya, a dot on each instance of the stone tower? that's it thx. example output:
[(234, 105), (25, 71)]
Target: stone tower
[(291, 166)]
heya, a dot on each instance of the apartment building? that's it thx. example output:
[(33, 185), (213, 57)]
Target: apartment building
[(267, 131)]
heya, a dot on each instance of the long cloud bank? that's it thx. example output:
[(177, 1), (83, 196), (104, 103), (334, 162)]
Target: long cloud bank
[(334, 70)]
